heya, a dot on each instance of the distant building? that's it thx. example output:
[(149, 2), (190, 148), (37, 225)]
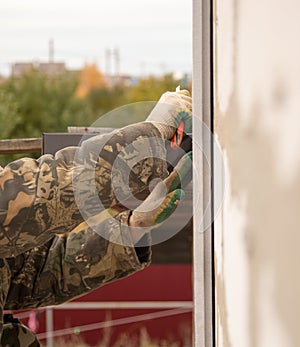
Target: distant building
[(52, 69), (126, 80), (18, 69), (48, 69)]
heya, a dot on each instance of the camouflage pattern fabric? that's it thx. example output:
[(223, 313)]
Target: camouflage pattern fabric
[(37, 196), (15, 334), (68, 266), (39, 268)]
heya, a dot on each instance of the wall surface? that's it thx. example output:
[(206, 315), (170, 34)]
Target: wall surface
[(257, 122)]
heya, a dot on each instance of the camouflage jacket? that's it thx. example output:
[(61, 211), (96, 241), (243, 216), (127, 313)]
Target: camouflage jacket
[(43, 260)]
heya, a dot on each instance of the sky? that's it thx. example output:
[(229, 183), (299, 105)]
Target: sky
[(152, 36)]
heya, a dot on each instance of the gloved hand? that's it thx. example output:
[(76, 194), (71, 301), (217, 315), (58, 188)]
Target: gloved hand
[(164, 198), (157, 207), (171, 109)]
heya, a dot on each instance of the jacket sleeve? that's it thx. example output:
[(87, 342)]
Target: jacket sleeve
[(72, 265), (37, 197)]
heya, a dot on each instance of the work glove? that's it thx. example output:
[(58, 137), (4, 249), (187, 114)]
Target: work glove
[(165, 196), (157, 207), (171, 109)]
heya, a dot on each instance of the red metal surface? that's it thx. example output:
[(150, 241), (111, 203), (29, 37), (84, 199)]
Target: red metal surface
[(156, 283)]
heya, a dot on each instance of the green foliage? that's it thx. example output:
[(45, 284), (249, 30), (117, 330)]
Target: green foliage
[(104, 99), (45, 104), (151, 88), (122, 105), (9, 114)]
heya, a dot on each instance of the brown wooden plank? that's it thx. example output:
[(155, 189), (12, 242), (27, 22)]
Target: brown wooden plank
[(82, 130), (30, 145)]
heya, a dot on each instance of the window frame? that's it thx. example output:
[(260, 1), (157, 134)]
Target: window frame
[(203, 241)]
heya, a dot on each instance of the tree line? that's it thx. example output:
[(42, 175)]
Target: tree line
[(35, 103)]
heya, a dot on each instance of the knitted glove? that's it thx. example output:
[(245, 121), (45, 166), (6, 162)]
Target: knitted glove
[(164, 198), (171, 109)]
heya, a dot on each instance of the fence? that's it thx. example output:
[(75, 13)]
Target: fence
[(13, 146)]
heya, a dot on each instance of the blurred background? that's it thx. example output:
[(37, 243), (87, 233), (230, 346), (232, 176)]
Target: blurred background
[(65, 63)]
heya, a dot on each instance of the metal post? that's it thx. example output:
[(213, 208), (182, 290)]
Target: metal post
[(49, 327)]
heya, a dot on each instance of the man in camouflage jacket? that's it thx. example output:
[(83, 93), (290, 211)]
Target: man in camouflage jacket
[(49, 254)]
